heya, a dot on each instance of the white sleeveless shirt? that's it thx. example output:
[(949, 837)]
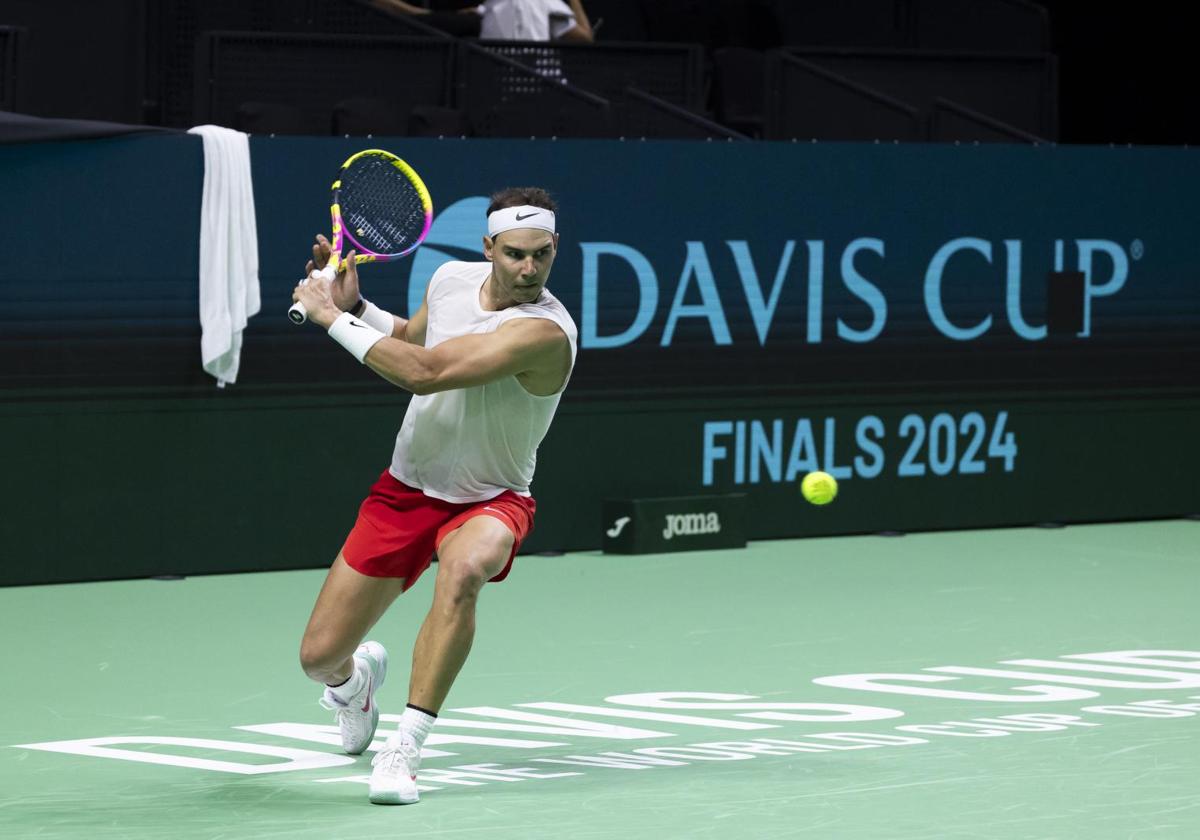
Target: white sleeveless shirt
[(472, 444)]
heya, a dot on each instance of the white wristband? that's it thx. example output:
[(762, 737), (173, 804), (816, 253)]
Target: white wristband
[(354, 335), (375, 317)]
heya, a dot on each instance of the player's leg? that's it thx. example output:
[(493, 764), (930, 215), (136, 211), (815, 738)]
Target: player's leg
[(468, 557), (330, 652), (348, 606), (390, 545)]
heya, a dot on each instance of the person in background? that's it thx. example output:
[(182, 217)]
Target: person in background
[(517, 20), (535, 20)]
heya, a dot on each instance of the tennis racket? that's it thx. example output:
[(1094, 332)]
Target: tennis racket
[(381, 207)]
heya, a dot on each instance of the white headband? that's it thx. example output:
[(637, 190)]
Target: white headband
[(525, 216)]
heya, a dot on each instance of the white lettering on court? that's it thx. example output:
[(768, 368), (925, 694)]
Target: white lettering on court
[(104, 748), (890, 684), (666, 707), (767, 711)]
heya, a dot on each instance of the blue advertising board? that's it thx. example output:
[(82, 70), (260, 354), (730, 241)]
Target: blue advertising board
[(828, 267)]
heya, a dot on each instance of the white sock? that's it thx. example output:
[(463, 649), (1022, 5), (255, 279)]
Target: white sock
[(358, 680), (414, 726)]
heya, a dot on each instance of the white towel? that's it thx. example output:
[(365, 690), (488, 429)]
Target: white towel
[(229, 292)]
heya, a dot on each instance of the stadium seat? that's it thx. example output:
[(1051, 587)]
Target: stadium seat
[(270, 118), (361, 115), (433, 121), (739, 79)]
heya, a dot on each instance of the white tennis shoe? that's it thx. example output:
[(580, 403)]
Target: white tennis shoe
[(358, 716), (394, 774)]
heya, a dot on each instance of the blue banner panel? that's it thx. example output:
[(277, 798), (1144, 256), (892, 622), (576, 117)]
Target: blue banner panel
[(831, 267), (723, 267)]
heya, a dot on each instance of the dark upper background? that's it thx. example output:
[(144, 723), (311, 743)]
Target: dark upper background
[(1126, 72), (1118, 73)]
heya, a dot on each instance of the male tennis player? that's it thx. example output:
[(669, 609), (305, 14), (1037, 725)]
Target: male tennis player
[(487, 357)]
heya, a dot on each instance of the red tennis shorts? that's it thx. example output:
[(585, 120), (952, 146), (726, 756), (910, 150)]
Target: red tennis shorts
[(399, 528)]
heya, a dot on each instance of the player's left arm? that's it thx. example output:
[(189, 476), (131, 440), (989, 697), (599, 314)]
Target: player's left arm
[(533, 349)]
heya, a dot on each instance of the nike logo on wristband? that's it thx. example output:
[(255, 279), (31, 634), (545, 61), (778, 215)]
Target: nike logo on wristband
[(357, 324)]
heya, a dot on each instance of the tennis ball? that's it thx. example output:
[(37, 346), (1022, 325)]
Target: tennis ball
[(820, 488)]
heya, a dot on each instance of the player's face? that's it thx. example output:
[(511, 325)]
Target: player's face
[(521, 261)]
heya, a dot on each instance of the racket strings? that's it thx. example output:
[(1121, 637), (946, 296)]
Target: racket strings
[(381, 208)]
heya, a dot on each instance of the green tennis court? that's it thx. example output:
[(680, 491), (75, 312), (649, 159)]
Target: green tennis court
[(616, 697)]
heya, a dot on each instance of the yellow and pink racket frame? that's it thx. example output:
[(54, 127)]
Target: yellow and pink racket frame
[(297, 313), (340, 234)]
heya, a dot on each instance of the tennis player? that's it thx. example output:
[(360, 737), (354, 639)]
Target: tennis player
[(487, 357)]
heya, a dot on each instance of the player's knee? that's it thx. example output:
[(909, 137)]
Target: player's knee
[(464, 577), (318, 659)]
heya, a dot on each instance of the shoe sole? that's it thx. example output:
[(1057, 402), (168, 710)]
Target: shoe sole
[(391, 798)]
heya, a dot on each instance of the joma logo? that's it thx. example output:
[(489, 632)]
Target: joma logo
[(687, 524)]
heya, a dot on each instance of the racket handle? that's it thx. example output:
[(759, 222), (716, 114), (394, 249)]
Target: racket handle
[(297, 314)]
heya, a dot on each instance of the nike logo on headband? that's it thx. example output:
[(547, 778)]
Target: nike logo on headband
[(521, 218)]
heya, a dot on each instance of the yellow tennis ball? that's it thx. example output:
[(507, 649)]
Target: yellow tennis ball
[(820, 488)]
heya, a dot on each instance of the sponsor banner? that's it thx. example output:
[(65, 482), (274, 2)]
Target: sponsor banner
[(900, 466), (717, 268), (838, 267), (963, 336), (684, 523)]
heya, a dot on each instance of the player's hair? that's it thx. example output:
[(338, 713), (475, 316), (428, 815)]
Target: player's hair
[(519, 196)]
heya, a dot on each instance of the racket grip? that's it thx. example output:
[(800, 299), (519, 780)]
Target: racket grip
[(297, 314)]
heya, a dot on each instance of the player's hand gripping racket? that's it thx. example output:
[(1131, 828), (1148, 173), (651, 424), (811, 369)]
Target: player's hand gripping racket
[(381, 206)]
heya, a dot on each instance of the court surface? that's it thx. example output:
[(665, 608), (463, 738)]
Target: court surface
[(1100, 747)]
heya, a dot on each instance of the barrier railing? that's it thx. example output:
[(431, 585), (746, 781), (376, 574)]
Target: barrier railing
[(949, 121), (10, 43), (234, 68), (1018, 89), (808, 102)]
